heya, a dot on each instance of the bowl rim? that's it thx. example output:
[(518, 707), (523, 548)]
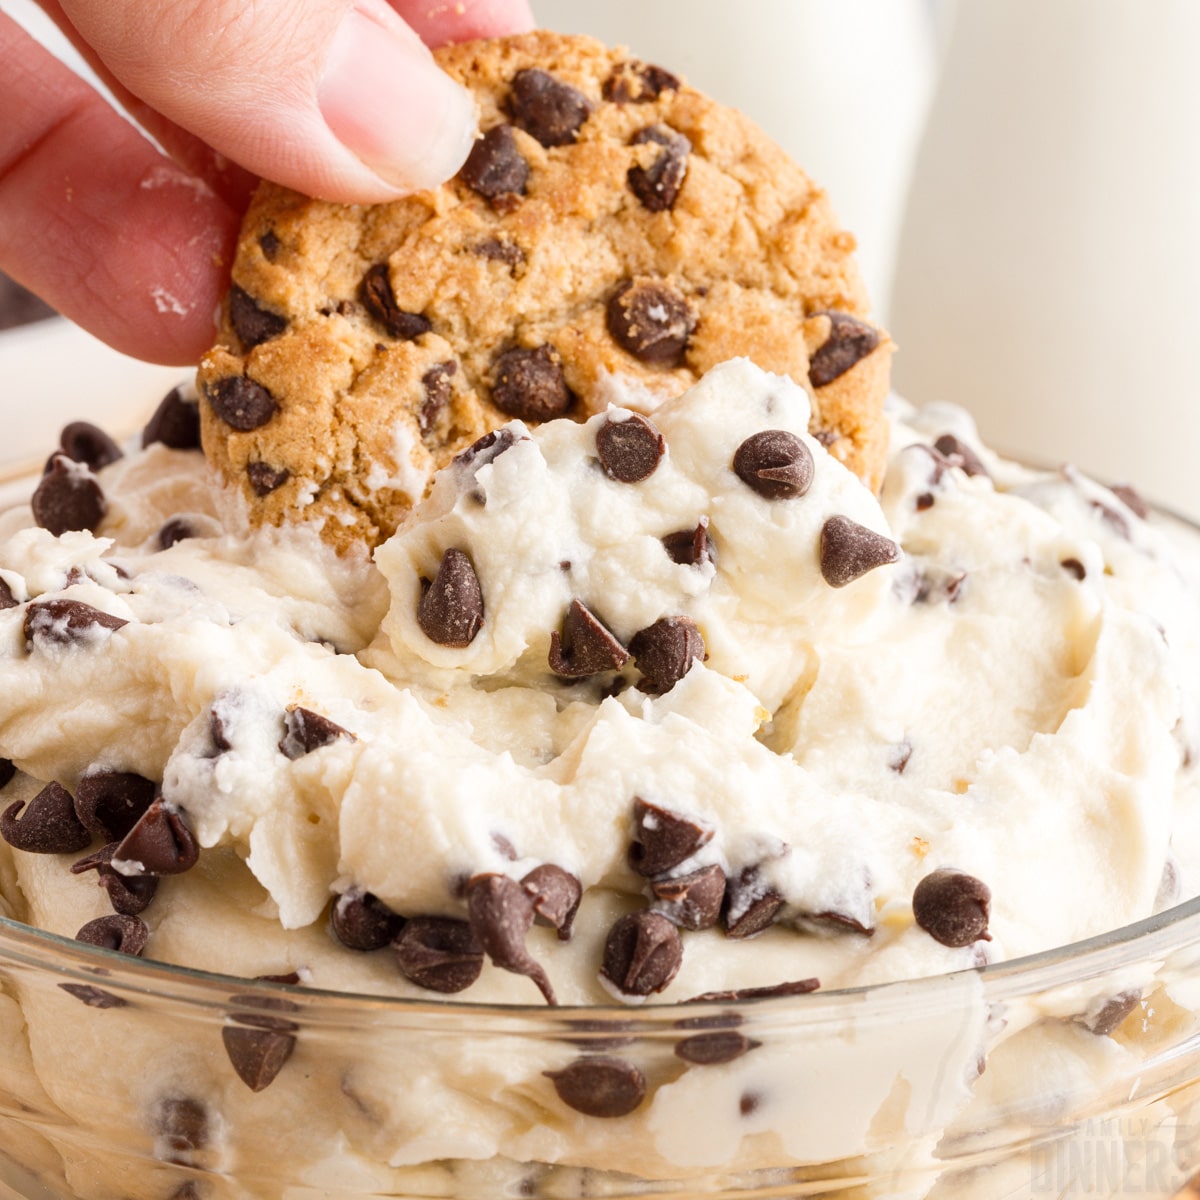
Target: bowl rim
[(1152, 938)]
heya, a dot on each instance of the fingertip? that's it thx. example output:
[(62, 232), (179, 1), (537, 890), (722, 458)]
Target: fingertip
[(386, 101), (442, 21)]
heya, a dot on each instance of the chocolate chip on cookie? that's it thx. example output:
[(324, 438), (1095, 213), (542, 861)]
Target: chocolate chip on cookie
[(438, 392), (251, 322), (380, 301), (264, 478), (496, 168), (650, 319), (529, 384), (241, 403), (634, 82), (546, 108), (849, 341), (657, 183)]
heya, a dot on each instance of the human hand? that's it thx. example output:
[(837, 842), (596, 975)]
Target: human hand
[(337, 98)]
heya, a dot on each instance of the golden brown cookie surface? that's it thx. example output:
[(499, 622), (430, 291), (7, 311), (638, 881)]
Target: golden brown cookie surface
[(610, 222)]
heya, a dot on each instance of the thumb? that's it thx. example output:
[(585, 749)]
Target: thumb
[(336, 98)]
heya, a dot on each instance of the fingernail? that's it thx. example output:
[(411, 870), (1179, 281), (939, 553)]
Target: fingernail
[(388, 103)]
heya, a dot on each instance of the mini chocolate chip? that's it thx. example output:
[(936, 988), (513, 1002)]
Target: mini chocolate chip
[(749, 1103), (1074, 567), (549, 110), (665, 651), (7, 770), (657, 185), (89, 444), (585, 646), (306, 731), (7, 599), (663, 838), (436, 382), (691, 547), (899, 756), (953, 907), (712, 1049), (495, 167), (634, 82), (642, 954), (361, 921), (498, 250), (68, 498), (692, 901), (159, 844), (529, 384), (65, 622), (556, 894), (500, 911), (128, 895), (750, 904), (290, 978), (177, 529), (630, 449), (251, 322), (504, 848), (486, 449), (439, 953), (126, 935), (450, 611), (839, 922), (93, 997), (924, 502), (1112, 1013), (264, 478), (1131, 499), (270, 245), (49, 826), (849, 341), (110, 803), (849, 550), (258, 1048), (175, 423), (958, 454), (241, 403), (600, 1086), (774, 463), (380, 301), (220, 711), (1115, 520), (183, 1124), (651, 320), (793, 987)]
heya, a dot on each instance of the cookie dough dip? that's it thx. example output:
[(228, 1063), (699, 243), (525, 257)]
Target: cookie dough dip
[(697, 781)]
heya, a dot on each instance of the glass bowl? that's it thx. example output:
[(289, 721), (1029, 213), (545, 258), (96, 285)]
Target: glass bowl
[(1071, 1073)]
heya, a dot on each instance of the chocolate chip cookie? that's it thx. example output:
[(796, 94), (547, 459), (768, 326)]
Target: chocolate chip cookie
[(610, 222)]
